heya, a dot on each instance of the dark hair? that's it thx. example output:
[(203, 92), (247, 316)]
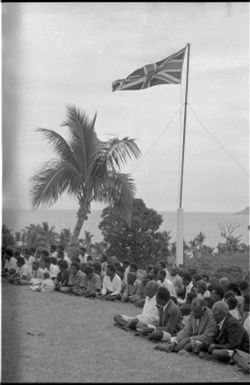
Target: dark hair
[(45, 252), (163, 294), (97, 267), (163, 264), (60, 254), (133, 267), (53, 260), (17, 253), (63, 264), (53, 248), (218, 290), (174, 299), (9, 252), (89, 270), (232, 302), (196, 277), (205, 275), (89, 257), (246, 299), (83, 249), (187, 276), (229, 293), (21, 261), (26, 251), (111, 267), (234, 286), (126, 262), (76, 264), (209, 301), (243, 285), (162, 273)]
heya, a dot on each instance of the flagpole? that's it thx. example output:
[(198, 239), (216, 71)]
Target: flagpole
[(180, 212)]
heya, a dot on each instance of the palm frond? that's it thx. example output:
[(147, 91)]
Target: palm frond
[(118, 190), (61, 146), (84, 138), (54, 178)]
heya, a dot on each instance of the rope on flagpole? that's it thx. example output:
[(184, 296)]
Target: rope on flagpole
[(156, 140), (217, 141)]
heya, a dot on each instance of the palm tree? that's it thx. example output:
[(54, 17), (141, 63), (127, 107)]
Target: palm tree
[(86, 168), (200, 238)]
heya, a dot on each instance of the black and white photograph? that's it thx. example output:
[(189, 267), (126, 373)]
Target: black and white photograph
[(125, 192)]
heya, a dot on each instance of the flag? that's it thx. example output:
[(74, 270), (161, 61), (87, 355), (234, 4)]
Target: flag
[(166, 71)]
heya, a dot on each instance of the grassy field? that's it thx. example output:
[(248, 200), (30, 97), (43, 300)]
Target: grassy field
[(52, 337)]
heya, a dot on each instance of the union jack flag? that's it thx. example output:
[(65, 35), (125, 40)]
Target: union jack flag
[(166, 71)]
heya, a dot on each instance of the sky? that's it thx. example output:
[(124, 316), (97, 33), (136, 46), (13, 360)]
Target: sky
[(59, 54)]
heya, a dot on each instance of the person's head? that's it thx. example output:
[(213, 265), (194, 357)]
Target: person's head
[(90, 260), (246, 303), (89, 270), (8, 253), (149, 269), (45, 275), (75, 258), (161, 275), (35, 265), (97, 268), (20, 261), (186, 278), (162, 265), (60, 247), (162, 296), (133, 267), (196, 277), (82, 251), (60, 254), (217, 293), (126, 263), (32, 250), (201, 286), (232, 302), (17, 254), (228, 294), (74, 267), (52, 248), (151, 288), (205, 277), (131, 278), (174, 271), (220, 310), (63, 265), (26, 253), (224, 282), (53, 260), (209, 302), (111, 270), (46, 261), (198, 306), (120, 271), (233, 286), (104, 258), (244, 287)]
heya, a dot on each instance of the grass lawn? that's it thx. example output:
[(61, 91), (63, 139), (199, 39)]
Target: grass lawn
[(53, 337)]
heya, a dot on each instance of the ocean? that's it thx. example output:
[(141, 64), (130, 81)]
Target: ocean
[(194, 222)]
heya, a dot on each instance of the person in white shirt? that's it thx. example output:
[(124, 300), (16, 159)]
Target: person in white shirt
[(46, 285), (10, 262), (188, 285), (112, 284), (149, 315), (163, 281), (22, 273), (246, 313), (83, 255), (54, 268), (29, 259)]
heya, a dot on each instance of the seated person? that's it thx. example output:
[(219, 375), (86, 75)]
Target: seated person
[(9, 262), (223, 283), (176, 279), (217, 293), (201, 289), (169, 317), (112, 284), (198, 332), (36, 271), (141, 294), (21, 275), (246, 313), (163, 281), (76, 281), (187, 295), (47, 284), (54, 268), (149, 315), (63, 275), (230, 334), (93, 282), (131, 288), (233, 307)]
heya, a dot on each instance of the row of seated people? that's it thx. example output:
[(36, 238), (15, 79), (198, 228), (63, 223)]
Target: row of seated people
[(176, 306)]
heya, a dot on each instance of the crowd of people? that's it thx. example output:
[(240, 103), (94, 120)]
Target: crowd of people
[(181, 310)]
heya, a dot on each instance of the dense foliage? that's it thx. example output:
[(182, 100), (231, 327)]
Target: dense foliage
[(140, 240)]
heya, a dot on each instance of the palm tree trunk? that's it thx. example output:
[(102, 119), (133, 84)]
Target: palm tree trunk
[(82, 215)]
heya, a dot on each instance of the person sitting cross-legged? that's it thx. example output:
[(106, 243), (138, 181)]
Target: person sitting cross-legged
[(230, 334), (149, 315), (93, 283), (132, 288), (63, 276), (112, 284), (76, 281), (198, 332), (169, 317)]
